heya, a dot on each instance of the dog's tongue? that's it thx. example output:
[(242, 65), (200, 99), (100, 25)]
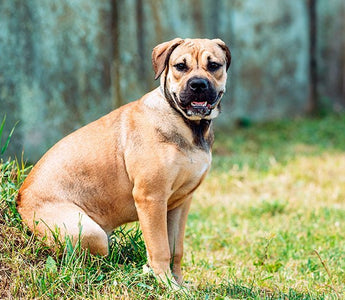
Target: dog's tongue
[(196, 103)]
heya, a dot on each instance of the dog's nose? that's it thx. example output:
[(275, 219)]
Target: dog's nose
[(198, 85)]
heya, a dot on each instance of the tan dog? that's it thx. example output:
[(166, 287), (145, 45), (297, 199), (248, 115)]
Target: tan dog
[(142, 161)]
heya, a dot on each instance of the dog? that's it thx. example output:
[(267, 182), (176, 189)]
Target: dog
[(142, 161)]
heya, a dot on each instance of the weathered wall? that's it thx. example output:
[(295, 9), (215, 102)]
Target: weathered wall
[(55, 68), (331, 53), (63, 64), (269, 44), (272, 56)]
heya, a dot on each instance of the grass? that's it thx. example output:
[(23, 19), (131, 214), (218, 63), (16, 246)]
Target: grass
[(267, 223)]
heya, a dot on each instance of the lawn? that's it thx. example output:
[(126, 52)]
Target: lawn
[(268, 222)]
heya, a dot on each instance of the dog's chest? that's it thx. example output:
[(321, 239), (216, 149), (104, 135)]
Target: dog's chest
[(193, 169), (199, 163)]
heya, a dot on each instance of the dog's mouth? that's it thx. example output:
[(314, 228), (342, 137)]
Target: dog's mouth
[(202, 108), (198, 107)]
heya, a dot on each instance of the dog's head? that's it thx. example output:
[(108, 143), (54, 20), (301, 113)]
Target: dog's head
[(193, 75)]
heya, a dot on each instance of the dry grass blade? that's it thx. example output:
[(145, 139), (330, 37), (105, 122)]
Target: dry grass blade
[(328, 272)]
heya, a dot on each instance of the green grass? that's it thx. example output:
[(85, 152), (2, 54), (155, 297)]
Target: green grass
[(267, 223)]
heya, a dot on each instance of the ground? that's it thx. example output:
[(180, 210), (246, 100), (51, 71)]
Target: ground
[(268, 222)]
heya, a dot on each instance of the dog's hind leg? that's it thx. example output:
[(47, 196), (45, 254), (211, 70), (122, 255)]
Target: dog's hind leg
[(66, 220)]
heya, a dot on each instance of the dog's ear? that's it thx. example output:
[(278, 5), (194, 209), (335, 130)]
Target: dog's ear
[(225, 48), (161, 54)]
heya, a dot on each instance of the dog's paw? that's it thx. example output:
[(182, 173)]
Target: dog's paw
[(166, 278), (147, 269)]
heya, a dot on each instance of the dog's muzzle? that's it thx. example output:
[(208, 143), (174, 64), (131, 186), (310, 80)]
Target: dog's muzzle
[(198, 98)]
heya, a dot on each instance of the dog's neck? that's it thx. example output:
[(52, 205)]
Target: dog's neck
[(202, 130)]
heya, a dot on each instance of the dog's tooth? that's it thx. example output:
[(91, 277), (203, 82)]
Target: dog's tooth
[(199, 103)]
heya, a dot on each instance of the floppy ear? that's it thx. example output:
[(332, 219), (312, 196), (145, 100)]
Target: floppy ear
[(225, 48), (161, 54)]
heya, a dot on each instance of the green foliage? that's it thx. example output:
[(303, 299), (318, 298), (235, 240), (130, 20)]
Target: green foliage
[(4, 146), (127, 246), (266, 224)]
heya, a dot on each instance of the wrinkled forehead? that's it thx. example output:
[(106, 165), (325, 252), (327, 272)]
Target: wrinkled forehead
[(200, 50)]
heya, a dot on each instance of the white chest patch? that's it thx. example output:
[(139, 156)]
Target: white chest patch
[(200, 163)]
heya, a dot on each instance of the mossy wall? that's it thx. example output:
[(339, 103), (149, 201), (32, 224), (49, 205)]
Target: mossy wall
[(66, 63)]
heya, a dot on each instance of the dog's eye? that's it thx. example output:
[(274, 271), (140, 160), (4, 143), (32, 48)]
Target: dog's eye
[(181, 67), (213, 66)]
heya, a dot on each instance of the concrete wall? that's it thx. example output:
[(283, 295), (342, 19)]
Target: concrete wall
[(64, 64), (331, 53), (55, 61)]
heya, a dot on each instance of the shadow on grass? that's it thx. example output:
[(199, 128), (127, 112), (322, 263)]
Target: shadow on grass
[(127, 246)]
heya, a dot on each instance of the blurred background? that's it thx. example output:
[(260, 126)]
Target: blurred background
[(65, 63)]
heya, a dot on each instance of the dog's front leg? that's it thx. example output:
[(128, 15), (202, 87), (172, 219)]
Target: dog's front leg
[(152, 213), (177, 219)]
